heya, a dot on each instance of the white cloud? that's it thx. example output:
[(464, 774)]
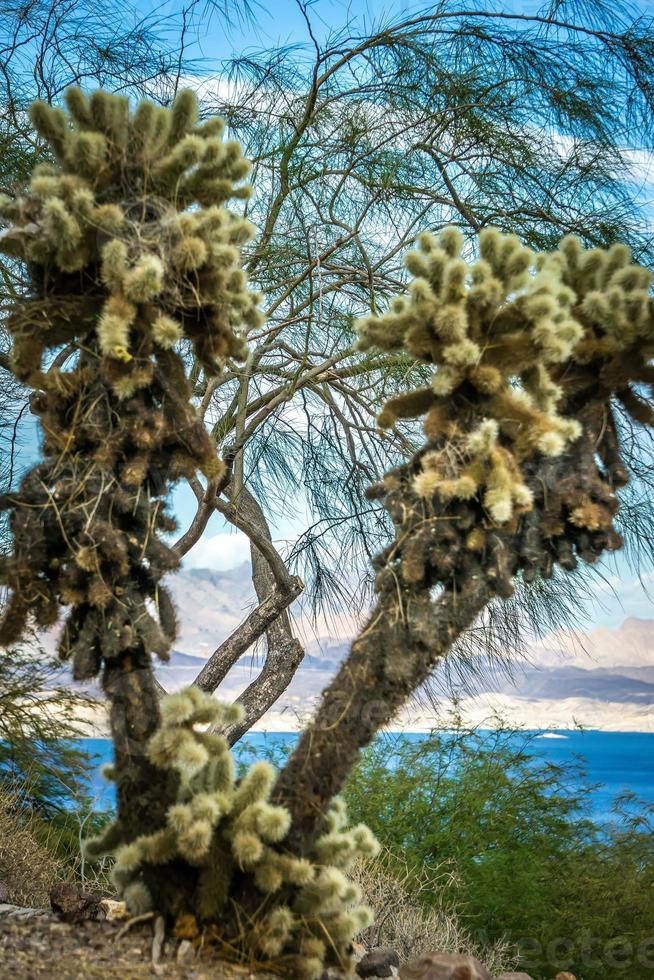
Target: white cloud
[(620, 596), (220, 551), (641, 166)]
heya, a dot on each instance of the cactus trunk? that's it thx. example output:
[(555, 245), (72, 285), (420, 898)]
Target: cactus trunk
[(405, 637), (142, 800)]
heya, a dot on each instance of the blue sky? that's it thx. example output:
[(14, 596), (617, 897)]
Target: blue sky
[(281, 21)]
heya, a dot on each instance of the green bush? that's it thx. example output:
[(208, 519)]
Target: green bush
[(41, 724), (44, 768), (530, 865)]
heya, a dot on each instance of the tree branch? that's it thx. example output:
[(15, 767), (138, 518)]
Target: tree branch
[(246, 635), (269, 575), (206, 507)]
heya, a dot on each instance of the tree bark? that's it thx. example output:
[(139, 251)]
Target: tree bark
[(405, 637), (204, 512), (246, 635), (284, 652), (282, 661), (276, 589)]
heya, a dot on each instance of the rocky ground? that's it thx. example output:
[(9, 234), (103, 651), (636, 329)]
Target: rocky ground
[(87, 936), (41, 947)]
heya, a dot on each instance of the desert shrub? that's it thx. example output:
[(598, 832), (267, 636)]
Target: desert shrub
[(531, 867), (44, 773), (414, 914), (48, 839), (41, 723), (29, 864)]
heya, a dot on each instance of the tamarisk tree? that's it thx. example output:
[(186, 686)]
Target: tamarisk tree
[(133, 257)]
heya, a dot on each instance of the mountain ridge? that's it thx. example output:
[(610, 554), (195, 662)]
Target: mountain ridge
[(606, 675), (603, 679)]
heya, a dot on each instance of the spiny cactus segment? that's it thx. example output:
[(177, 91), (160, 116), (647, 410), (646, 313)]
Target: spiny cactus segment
[(227, 830), (517, 334), (131, 260), (531, 355)]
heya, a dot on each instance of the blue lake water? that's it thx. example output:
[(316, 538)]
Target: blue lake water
[(618, 762)]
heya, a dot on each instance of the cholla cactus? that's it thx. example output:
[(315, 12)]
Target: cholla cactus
[(519, 472), (229, 834), (528, 351), (129, 250)]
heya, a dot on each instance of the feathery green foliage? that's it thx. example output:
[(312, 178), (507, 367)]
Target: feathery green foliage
[(361, 135), (39, 725)]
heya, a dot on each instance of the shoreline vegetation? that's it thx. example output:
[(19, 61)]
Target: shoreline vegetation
[(468, 820)]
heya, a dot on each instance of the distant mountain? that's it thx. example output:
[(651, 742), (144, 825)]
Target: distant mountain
[(573, 682), (602, 679), (631, 645), (211, 604), (185, 661)]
